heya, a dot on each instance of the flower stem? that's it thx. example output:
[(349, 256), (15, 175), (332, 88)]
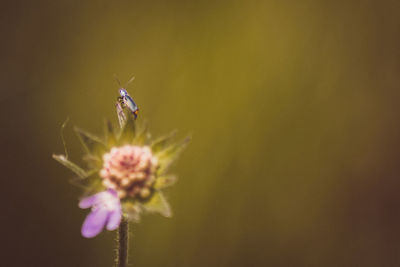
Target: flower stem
[(122, 239)]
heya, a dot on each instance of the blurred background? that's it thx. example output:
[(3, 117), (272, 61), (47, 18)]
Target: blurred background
[(293, 107)]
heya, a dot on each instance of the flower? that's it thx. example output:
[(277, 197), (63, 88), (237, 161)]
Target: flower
[(125, 175), (130, 170), (106, 211)]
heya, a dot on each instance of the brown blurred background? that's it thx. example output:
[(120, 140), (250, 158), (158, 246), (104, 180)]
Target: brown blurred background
[(293, 106)]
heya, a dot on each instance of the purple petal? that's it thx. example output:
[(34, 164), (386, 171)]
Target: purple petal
[(113, 192), (114, 220), (87, 202), (94, 223)]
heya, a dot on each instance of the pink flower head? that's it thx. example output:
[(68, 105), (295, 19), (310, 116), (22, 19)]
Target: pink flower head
[(106, 211), (129, 170)]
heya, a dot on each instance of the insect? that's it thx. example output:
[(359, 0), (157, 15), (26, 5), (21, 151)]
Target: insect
[(126, 101)]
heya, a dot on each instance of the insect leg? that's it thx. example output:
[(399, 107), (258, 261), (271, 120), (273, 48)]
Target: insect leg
[(121, 101)]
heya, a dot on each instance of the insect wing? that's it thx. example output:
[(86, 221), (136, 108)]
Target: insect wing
[(130, 103)]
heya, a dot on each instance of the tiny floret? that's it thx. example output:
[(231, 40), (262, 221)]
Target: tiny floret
[(130, 170)]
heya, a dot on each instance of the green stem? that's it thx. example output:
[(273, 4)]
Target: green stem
[(122, 239)]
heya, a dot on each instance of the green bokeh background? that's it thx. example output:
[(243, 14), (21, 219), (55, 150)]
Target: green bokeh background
[(293, 107)]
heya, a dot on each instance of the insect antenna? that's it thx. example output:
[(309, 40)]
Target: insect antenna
[(130, 80), (117, 80)]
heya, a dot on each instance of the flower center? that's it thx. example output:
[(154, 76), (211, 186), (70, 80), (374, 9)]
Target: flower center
[(130, 170)]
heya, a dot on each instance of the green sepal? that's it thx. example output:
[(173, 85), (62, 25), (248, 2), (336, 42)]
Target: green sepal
[(157, 203), (132, 211), (90, 184), (142, 135), (110, 136), (70, 165), (92, 144), (128, 131), (160, 143), (169, 154), (93, 161), (165, 181)]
